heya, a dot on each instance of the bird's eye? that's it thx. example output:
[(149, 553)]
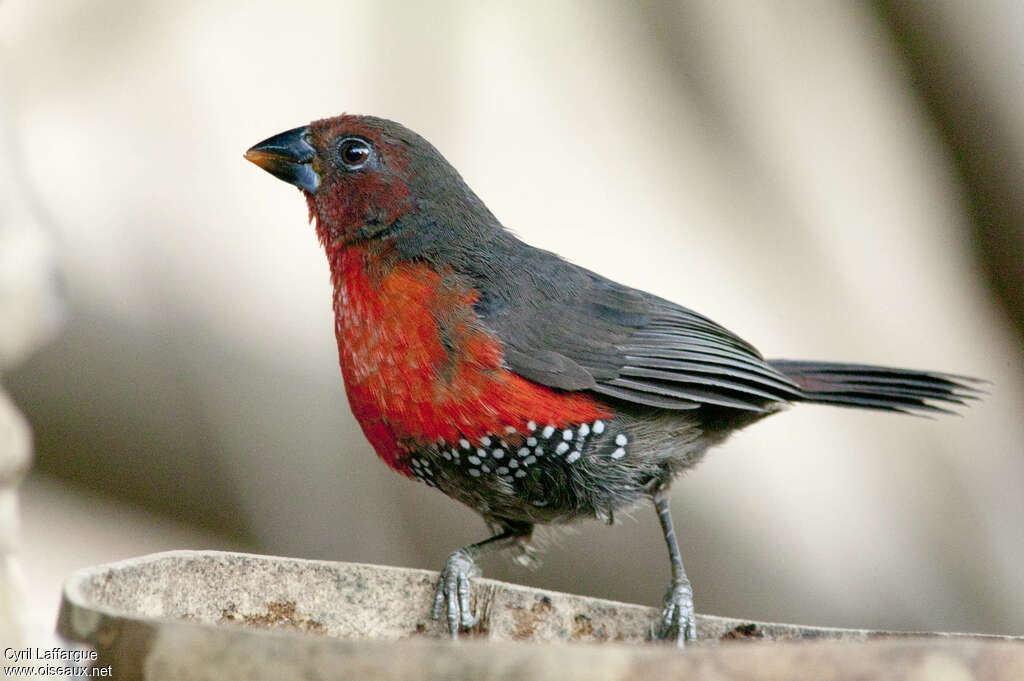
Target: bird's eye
[(354, 153)]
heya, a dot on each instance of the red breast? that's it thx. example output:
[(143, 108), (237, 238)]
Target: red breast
[(419, 367)]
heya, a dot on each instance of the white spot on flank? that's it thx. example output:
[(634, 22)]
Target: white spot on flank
[(531, 426), (512, 463), (520, 474), (498, 453), (539, 451), (531, 441), (502, 470), (548, 430), (562, 448), (621, 440), (464, 443), (481, 453), (619, 453), (509, 429), (474, 460), (485, 441), (523, 451), (567, 434), (598, 427), (584, 430), (447, 455), (572, 457), (485, 469), (474, 472), (528, 460)]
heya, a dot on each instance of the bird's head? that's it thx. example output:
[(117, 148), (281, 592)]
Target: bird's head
[(368, 178)]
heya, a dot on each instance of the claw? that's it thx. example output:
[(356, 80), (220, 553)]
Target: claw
[(678, 619), (453, 588)]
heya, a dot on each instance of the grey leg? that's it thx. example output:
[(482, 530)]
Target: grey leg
[(678, 619), (454, 585)]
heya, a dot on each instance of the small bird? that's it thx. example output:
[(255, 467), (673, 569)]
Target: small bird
[(528, 388)]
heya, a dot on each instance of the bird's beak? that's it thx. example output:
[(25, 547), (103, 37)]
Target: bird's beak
[(287, 156)]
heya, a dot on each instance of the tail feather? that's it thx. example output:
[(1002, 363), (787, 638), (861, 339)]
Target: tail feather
[(871, 387)]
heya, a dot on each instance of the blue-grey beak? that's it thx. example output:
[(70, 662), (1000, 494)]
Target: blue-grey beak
[(287, 156)]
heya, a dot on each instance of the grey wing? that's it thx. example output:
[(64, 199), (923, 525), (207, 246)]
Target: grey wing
[(572, 329)]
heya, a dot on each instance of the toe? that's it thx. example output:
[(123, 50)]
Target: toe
[(439, 598), (678, 621), (469, 620), (453, 594)]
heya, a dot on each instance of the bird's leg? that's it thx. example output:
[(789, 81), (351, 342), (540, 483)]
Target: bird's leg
[(460, 568), (678, 619)]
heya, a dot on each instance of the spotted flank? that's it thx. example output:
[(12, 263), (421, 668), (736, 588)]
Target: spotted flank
[(515, 456)]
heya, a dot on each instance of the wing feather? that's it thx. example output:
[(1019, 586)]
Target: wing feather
[(571, 329)]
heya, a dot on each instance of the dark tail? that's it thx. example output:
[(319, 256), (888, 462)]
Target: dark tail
[(869, 387)]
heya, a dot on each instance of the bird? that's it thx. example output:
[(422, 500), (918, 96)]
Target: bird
[(524, 386)]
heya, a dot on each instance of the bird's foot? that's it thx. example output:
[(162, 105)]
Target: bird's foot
[(678, 621), (453, 589)]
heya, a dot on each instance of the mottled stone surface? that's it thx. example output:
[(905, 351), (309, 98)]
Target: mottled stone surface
[(211, 615), (180, 654)]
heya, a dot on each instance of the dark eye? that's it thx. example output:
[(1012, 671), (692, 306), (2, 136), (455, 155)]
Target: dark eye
[(354, 152)]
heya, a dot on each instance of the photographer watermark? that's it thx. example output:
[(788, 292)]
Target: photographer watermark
[(56, 661)]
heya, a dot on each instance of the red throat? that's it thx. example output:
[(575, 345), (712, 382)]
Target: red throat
[(418, 367)]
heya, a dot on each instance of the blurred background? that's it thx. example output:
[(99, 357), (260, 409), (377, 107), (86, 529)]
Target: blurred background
[(833, 180)]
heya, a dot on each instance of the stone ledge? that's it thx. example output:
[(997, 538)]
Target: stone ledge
[(229, 615)]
